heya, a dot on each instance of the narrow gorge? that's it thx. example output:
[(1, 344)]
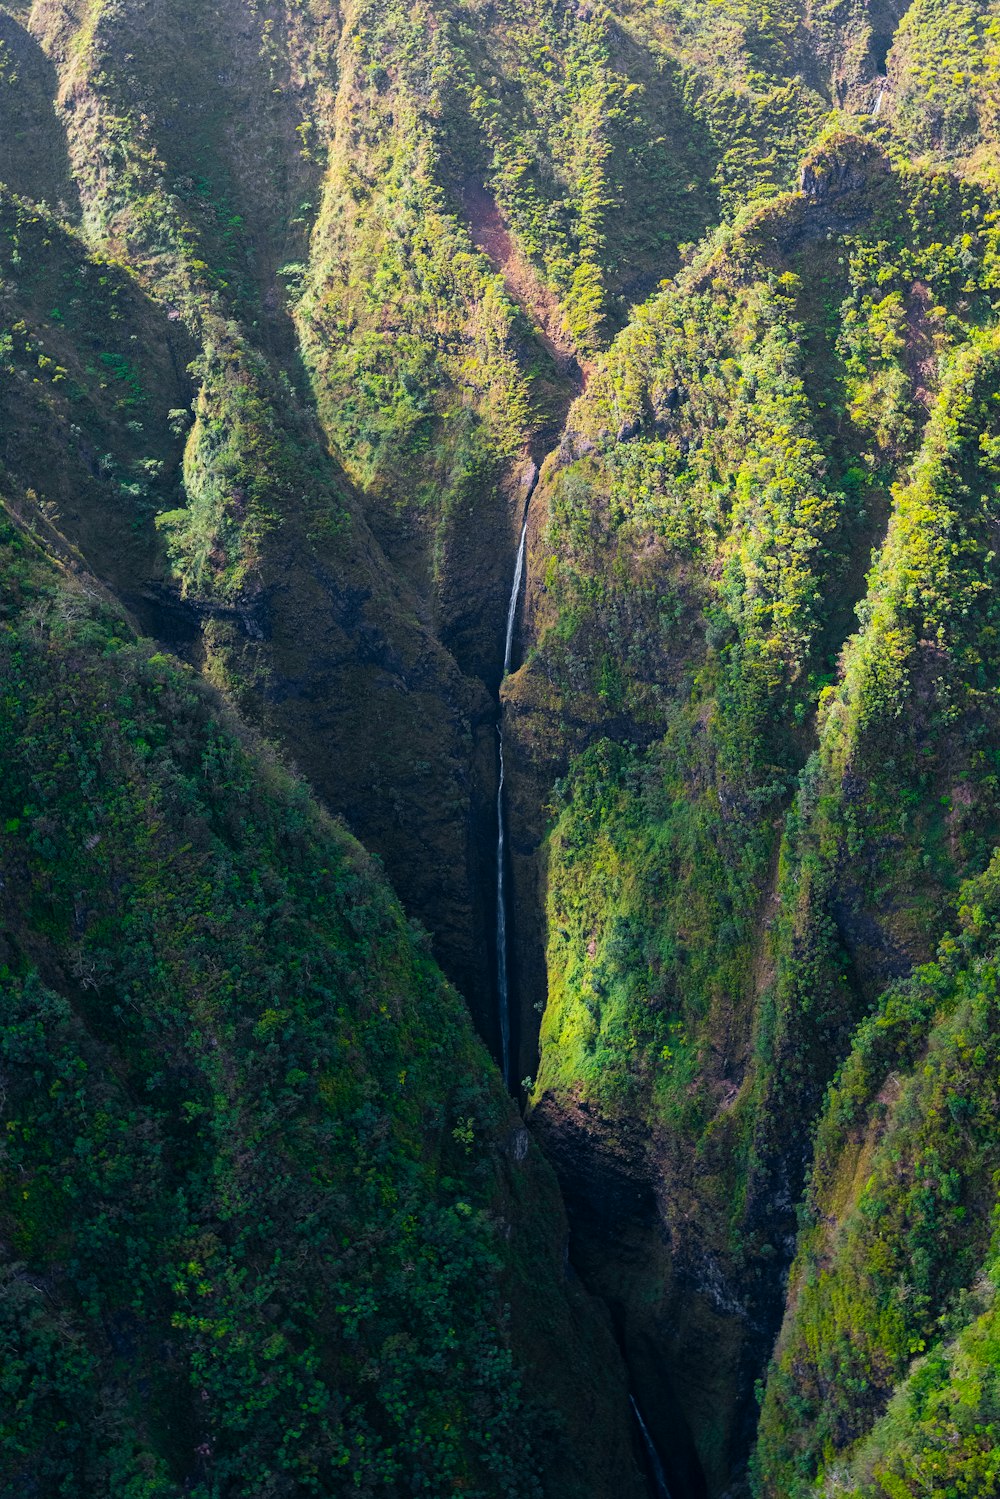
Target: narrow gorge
[(503, 983), (500, 749)]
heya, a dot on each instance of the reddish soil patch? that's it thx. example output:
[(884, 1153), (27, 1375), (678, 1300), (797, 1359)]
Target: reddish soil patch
[(537, 301)]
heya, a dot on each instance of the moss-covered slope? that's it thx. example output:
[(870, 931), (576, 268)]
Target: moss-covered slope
[(759, 820), (296, 299), (263, 1206), (884, 1378)]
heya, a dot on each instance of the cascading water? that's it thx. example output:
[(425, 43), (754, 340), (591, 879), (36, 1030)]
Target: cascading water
[(656, 1466), (503, 981)]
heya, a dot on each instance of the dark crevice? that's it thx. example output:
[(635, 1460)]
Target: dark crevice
[(884, 21)]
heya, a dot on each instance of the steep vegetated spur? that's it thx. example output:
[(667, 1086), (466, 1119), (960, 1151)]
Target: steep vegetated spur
[(300, 303)]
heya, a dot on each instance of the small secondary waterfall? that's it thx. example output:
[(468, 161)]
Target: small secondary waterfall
[(659, 1477), (503, 981)]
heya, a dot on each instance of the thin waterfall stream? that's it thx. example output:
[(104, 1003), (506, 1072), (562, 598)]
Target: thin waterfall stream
[(655, 1463), (503, 975)]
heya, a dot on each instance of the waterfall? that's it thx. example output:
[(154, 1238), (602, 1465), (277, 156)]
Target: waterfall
[(503, 982), (659, 1477)]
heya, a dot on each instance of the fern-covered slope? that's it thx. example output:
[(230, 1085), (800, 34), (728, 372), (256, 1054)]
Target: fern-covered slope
[(264, 1207), (295, 298), (759, 822)]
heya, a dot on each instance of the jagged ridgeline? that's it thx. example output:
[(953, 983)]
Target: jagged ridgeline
[(300, 304)]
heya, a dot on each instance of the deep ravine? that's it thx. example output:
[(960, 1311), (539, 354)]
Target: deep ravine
[(503, 976), (653, 1464), (656, 1474), (660, 1486)]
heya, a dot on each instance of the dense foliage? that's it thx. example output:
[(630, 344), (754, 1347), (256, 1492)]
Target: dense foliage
[(258, 1185), (296, 300), (800, 768)]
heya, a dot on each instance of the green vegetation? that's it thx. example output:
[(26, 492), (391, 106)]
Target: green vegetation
[(943, 68), (915, 715), (783, 823), (293, 296), (256, 1191), (900, 1293)]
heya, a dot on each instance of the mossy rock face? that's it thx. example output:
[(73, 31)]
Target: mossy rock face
[(34, 156), (747, 845), (886, 1354), (296, 304), (264, 1202), (843, 164)]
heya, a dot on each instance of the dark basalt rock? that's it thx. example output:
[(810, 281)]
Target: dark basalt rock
[(845, 164)]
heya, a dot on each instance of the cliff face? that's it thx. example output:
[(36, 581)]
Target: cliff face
[(306, 195), (764, 811), (269, 1223), (297, 303), (253, 553)]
